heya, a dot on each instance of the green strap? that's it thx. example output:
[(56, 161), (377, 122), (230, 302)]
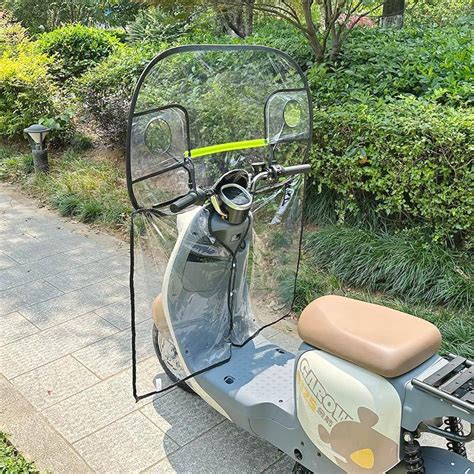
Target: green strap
[(210, 150)]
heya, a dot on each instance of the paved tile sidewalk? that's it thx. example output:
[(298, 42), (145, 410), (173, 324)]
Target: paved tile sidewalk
[(65, 388), (65, 358)]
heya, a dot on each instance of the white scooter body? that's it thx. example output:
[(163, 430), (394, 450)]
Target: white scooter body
[(328, 414), (228, 129)]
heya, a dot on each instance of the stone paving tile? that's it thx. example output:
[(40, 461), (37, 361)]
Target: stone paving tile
[(73, 304), (142, 285), (226, 448), (36, 249), (7, 199), (14, 326), (16, 211), (181, 415), (269, 332), (98, 406), (285, 464), (54, 382), (112, 355), (6, 262), (16, 276), (128, 445), (24, 295), (38, 269), (22, 217), (91, 252), (90, 273), (49, 232), (34, 228), (118, 313), (34, 437), (10, 241), (43, 347)]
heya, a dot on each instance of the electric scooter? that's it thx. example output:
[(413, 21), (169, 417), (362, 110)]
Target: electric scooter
[(217, 142)]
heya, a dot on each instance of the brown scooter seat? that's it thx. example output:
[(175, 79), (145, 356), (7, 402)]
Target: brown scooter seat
[(382, 340)]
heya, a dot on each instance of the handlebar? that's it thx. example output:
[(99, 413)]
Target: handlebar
[(184, 202), (273, 171), (292, 170)]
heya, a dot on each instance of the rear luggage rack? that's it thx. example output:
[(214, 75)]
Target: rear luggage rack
[(454, 382)]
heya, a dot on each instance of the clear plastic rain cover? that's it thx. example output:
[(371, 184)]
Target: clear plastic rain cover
[(199, 112)]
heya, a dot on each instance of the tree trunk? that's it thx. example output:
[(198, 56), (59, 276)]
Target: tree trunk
[(311, 32), (236, 20), (248, 17), (392, 15)]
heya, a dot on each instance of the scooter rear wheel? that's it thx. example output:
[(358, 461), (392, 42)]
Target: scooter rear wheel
[(161, 347)]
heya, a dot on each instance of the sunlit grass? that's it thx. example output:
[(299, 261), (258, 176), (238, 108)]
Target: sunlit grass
[(90, 191)]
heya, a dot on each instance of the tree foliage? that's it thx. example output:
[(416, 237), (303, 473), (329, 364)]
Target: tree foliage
[(39, 16), (324, 24), (156, 24)]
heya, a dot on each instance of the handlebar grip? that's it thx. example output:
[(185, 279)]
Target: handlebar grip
[(184, 202), (297, 169)]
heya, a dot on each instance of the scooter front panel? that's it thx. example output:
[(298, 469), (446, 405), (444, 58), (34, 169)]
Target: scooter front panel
[(352, 415)]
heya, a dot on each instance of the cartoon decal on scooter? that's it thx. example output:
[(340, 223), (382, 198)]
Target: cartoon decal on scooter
[(218, 138)]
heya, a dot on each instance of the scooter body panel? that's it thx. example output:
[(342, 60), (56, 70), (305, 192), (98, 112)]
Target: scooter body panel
[(260, 389), (328, 414), (350, 413)]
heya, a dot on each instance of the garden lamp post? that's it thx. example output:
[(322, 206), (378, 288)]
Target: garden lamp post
[(36, 135)]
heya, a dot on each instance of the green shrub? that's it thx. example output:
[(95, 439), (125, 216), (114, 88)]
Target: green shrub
[(11, 460), (26, 90), (11, 33), (435, 13), (75, 49), (411, 159), (106, 90), (434, 63)]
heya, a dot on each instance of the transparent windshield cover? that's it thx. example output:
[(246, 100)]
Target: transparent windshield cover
[(200, 112)]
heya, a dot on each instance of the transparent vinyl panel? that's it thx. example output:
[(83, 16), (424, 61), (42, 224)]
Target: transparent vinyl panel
[(198, 113)]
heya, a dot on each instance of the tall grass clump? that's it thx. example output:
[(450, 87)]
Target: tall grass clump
[(402, 264), (91, 191)]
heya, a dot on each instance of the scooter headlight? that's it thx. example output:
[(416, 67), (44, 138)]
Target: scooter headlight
[(236, 202)]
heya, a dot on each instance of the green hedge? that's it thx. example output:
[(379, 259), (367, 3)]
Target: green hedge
[(281, 35), (75, 49), (411, 158)]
